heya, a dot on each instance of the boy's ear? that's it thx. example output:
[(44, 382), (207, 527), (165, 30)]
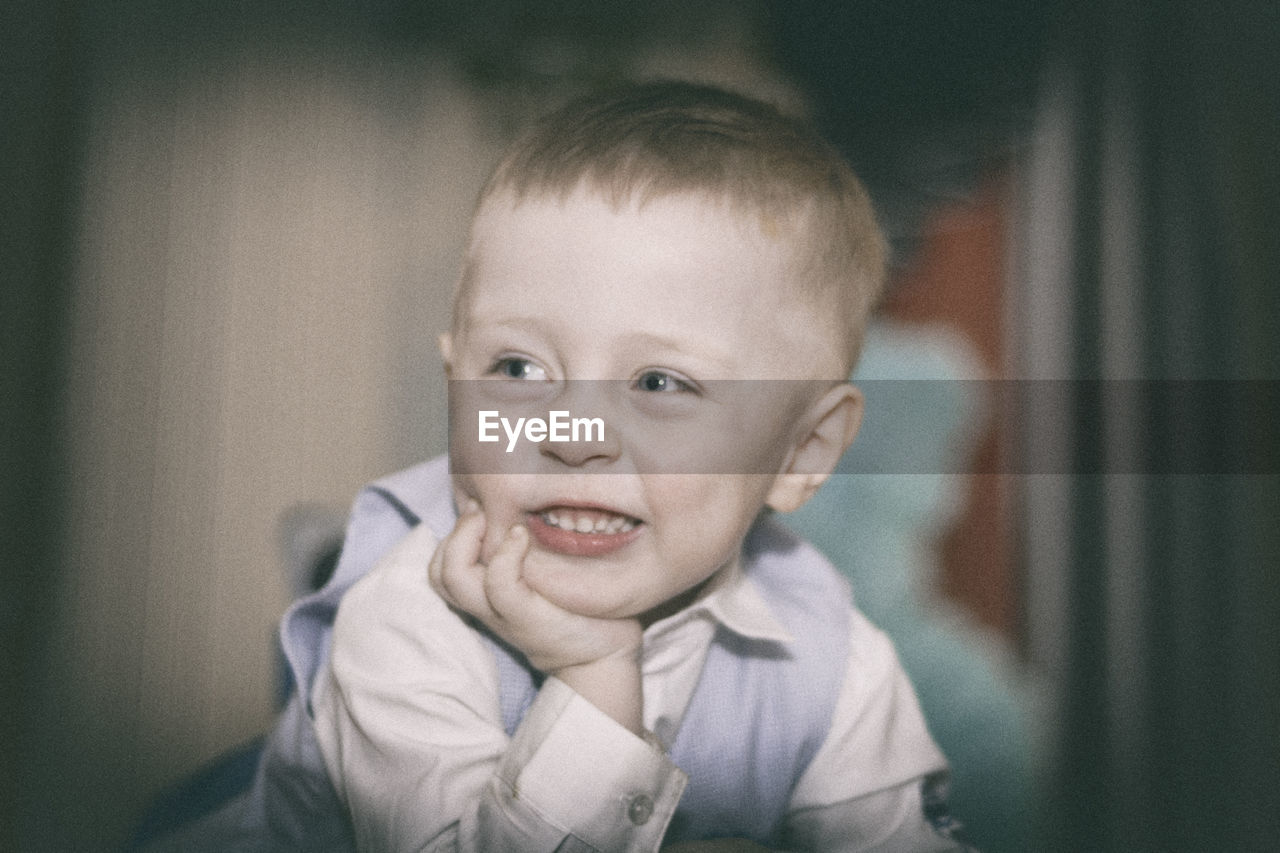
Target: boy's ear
[(833, 422), (445, 342)]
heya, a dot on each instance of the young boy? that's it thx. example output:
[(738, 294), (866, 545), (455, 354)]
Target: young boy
[(608, 643)]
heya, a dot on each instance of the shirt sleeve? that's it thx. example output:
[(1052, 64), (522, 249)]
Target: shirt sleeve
[(876, 784), (408, 720)]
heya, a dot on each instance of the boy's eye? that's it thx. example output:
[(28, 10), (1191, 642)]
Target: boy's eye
[(659, 381), (512, 367)]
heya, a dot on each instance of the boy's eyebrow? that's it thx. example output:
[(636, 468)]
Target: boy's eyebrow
[(666, 342), (515, 323), (637, 339)]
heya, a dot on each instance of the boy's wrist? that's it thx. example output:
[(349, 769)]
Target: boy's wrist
[(612, 684)]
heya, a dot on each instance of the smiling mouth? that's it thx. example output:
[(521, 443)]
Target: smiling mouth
[(588, 520), (582, 531)]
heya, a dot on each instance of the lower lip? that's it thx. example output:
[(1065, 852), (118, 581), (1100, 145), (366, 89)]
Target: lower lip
[(577, 544)]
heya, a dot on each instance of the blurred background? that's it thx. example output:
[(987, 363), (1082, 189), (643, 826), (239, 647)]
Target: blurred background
[(230, 233)]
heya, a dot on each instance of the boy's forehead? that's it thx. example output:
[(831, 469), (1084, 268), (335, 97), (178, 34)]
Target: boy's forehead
[(587, 203), (680, 265), (675, 229)]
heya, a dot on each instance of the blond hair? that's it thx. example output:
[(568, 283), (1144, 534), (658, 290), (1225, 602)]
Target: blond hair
[(664, 138)]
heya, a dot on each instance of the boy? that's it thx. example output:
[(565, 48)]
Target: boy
[(606, 643)]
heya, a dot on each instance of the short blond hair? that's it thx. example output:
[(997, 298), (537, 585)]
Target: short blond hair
[(663, 138)]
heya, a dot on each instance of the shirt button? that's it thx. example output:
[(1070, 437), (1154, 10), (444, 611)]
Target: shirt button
[(640, 809)]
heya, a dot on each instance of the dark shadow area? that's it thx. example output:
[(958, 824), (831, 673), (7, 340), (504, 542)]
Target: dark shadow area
[(41, 96)]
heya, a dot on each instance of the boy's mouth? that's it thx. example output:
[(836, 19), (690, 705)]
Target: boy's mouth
[(582, 531)]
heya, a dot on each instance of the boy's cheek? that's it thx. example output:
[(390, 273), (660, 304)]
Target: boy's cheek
[(498, 516), (463, 491)]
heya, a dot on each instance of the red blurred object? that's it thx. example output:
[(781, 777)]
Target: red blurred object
[(956, 278)]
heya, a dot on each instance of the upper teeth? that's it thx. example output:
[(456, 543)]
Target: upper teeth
[(582, 522)]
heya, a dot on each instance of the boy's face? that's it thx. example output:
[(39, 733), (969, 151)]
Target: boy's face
[(665, 297)]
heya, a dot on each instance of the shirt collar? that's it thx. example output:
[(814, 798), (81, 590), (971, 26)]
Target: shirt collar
[(734, 601)]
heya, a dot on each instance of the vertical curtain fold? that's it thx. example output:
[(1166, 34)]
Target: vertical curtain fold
[(1167, 707)]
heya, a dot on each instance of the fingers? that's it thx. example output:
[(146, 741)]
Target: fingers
[(455, 570), (496, 594), (503, 585), (484, 591)]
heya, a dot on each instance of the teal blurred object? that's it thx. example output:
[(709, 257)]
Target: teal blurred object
[(882, 529)]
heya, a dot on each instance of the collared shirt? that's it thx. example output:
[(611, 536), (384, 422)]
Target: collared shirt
[(408, 718)]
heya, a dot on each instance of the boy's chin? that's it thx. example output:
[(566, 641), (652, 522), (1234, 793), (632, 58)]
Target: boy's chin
[(574, 592)]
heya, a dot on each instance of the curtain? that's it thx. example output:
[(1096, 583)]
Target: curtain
[(1147, 314)]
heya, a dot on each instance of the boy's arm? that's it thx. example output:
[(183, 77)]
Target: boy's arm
[(876, 782), (408, 721)]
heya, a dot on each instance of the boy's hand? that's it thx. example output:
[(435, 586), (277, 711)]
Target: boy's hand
[(554, 640)]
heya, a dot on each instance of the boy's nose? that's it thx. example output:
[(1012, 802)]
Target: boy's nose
[(596, 445), (586, 452)]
